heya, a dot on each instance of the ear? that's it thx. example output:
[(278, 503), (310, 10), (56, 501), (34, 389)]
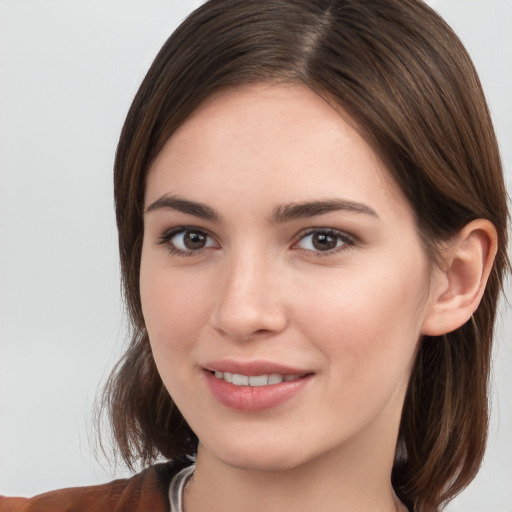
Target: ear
[(459, 282)]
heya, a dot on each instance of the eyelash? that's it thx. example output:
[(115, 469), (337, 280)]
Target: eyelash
[(166, 239), (347, 241)]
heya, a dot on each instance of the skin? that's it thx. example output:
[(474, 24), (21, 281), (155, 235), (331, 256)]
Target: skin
[(259, 289)]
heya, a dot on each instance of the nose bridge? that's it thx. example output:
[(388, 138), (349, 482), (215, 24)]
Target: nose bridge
[(248, 302)]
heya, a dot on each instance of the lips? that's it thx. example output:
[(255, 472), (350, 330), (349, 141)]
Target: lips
[(255, 386)]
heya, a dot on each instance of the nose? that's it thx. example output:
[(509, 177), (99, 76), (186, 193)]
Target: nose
[(249, 303)]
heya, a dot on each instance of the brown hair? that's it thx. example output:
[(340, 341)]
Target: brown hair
[(402, 74)]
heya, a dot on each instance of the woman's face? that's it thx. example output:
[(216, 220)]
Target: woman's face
[(283, 282)]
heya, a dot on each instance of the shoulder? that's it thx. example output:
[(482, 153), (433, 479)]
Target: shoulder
[(147, 490)]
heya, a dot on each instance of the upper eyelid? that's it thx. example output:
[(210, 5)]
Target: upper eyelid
[(309, 231), (179, 229)]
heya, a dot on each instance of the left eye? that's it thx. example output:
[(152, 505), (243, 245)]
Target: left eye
[(188, 240), (323, 241)]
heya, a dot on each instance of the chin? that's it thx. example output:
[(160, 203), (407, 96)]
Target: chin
[(253, 456)]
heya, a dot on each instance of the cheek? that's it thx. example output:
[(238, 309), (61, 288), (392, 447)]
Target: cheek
[(367, 335), (369, 321), (174, 308)]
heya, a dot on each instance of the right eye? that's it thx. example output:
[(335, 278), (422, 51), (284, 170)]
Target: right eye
[(187, 241)]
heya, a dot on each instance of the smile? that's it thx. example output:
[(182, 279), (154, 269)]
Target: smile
[(263, 389), (255, 380)]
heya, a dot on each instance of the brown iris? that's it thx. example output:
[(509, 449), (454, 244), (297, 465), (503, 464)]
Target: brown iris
[(324, 241), (194, 240)]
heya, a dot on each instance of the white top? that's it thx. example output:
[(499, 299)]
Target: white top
[(176, 487)]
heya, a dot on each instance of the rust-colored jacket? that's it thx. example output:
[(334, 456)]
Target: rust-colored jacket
[(145, 492)]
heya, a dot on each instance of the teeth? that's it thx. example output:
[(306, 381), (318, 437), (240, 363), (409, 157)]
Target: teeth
[(255, 380), (228, 377), (274, 378), (240, 380), (258, 380)]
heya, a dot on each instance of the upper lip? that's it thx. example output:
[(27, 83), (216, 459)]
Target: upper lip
[(252, 368)]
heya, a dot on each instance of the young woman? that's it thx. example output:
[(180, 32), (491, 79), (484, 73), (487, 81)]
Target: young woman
[(312, 226)]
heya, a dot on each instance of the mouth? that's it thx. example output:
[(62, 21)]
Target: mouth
[(271, 379), (256, 386)]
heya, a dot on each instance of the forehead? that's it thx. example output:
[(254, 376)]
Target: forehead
[(281, 142)]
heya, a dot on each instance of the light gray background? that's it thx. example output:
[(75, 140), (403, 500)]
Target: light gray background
[(68, 71)]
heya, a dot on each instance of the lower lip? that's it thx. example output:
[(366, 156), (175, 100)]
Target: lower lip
[(254, 398)]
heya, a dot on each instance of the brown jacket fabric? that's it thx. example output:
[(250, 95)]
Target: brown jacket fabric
[(145, 492)]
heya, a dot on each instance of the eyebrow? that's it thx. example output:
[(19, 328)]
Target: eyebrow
[(281, 214), (292, 211), (179, 204)]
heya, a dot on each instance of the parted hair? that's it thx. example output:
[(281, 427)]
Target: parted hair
[(402, 75)]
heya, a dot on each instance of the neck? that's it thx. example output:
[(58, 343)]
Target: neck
[(355, 478)]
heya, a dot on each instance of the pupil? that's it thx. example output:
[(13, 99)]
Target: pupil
[(324, 242), (194, 240)]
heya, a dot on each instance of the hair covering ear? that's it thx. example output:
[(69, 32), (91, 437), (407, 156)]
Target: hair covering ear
[(466, 263)]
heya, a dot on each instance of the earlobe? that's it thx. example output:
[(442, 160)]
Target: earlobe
[(460, 283)]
